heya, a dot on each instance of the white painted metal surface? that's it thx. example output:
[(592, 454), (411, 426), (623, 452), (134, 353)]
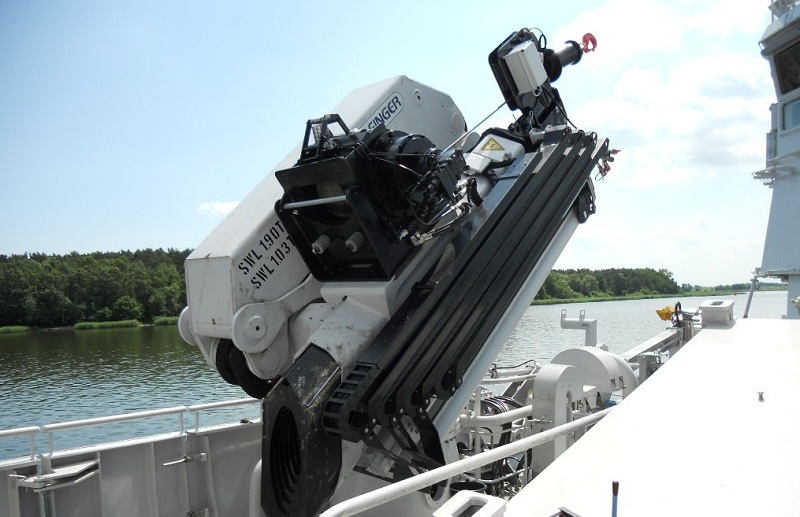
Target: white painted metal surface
[(193, 469), (248, 264), (466, 501), (695, 439), (781, 47), (588, 325)]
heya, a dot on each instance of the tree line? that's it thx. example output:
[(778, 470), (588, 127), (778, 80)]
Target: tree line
[(42, 290), (606, 283)]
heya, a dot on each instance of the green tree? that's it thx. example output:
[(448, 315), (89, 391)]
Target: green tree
[(127, 308), (560, 287), (613, 282), (51, 290)]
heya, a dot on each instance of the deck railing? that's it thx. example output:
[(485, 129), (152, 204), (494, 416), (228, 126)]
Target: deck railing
[(31, 431), (182, 413), (396, 490)]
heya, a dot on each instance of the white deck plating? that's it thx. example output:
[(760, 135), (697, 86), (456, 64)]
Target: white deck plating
[(694, 439)]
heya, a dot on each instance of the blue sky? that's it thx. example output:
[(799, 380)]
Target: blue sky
[(128, 125)]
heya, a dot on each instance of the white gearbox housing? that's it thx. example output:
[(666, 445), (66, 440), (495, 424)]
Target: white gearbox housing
[(246, 278)]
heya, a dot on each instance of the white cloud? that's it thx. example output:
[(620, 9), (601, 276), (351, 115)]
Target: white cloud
[(682, 90), (216, 208), (630, 31)]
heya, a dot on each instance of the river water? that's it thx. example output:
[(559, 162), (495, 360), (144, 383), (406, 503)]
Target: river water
[(61, 375)]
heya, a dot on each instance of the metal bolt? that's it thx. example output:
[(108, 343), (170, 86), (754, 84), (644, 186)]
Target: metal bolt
[(354, 242), (256, 328), (319, 246)]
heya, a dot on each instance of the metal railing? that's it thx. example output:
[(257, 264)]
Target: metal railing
[(665, 341), (30, 431), (181, 411), (396, 490)]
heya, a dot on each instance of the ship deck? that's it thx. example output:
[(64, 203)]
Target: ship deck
[(694, 439)]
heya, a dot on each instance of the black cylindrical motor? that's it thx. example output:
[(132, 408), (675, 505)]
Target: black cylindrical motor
[(555, 60)]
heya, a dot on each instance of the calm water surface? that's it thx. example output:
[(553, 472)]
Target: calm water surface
[(55, 376), (62, 375), (621, 324)]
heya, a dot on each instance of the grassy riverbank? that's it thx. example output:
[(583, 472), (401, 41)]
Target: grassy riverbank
[(12, 329), (589, 299), (704, 293), (634, 296), (166, 320), (93, 325)]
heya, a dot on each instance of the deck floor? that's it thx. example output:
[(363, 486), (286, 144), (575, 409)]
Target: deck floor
[(694, 439)]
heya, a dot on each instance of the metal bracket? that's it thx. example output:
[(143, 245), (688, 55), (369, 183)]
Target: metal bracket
[(60, 477), (201, 457)]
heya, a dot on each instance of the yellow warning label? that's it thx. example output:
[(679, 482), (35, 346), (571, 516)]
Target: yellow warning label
[(492, 145)]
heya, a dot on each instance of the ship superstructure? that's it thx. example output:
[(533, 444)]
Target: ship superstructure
[(781, 47)]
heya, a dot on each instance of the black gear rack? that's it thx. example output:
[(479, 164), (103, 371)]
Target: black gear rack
[(424, 350)]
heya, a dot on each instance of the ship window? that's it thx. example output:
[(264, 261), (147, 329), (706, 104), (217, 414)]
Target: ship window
[(791, 114), (787, 66)]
